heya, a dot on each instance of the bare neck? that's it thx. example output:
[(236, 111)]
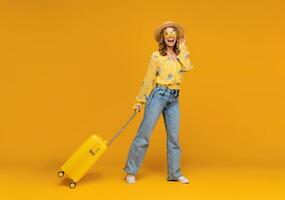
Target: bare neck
[(169, 49)]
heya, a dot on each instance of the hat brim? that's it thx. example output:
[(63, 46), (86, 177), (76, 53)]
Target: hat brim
[(167, 24)]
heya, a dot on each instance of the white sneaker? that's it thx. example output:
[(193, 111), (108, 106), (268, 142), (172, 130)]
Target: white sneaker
[(183, 179), (130, 179)]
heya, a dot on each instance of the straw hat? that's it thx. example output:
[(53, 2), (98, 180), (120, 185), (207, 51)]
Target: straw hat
[(167, 24)]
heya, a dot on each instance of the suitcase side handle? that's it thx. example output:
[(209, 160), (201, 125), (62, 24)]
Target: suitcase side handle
[(109, 142)]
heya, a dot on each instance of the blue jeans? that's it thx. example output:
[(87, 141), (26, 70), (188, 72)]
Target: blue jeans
[(165, 101)]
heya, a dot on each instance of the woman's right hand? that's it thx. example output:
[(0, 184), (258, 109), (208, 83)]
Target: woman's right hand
[(137, 107)]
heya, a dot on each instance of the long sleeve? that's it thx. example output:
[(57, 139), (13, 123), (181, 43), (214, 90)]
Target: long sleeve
[(183, 57), (149, 79)]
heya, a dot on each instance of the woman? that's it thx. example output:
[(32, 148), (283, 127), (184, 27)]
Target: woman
[(160, 94)]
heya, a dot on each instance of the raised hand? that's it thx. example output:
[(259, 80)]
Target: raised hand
[(182, 40)]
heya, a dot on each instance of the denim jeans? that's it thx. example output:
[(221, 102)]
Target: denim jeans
[(161, 100)]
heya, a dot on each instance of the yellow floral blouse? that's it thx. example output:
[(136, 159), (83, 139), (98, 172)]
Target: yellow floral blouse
[(165, 71)]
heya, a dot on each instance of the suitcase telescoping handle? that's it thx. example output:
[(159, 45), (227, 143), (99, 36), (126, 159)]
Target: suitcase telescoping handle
[(122, 129)]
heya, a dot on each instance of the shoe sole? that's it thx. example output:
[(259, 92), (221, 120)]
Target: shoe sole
[(179, 181)]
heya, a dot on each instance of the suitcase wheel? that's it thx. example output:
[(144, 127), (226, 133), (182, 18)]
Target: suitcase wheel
[(72, 185), (60, 174)]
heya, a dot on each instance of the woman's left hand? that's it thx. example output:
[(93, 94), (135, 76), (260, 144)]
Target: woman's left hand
[(182, 40)]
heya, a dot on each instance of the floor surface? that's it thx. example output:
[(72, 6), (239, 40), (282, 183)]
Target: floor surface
[(106, 181)]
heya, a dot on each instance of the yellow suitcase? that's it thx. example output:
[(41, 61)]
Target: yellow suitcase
[(86, 155)]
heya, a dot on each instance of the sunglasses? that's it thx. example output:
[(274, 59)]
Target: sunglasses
[(170, 34)]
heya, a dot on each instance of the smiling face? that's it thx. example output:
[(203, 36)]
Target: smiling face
[(170, 36)]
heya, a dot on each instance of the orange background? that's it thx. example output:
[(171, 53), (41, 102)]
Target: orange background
[(73, 68)]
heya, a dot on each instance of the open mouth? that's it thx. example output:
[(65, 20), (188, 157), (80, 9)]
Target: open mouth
[(170, 40)]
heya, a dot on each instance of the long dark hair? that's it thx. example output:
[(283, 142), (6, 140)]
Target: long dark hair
[(162, 46)]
